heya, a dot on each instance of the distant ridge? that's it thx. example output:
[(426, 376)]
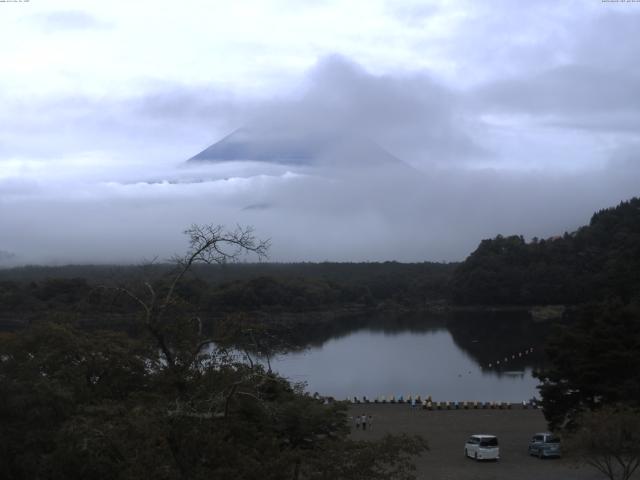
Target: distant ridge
[(302, 149)]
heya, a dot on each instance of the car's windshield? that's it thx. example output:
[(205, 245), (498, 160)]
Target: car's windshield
[(489, 442), (553, 440)]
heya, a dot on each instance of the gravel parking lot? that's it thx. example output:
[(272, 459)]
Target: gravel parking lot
[(447, 430)]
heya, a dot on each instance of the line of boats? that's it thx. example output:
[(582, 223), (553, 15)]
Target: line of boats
[(497, 363), (427, 403)]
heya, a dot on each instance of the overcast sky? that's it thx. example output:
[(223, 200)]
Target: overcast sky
[(512, 118)]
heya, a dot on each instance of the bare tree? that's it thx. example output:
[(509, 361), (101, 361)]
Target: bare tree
[(210, 244), (608, 440)]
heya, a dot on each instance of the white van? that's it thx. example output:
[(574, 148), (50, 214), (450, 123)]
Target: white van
[(482, 447)]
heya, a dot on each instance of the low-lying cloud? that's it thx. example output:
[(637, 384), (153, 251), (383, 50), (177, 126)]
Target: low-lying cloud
[(321, 214), (104, 180)]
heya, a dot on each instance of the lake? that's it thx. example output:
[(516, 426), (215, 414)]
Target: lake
[(451, 358)]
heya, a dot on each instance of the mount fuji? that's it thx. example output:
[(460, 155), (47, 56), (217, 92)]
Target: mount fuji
[(299, 149)]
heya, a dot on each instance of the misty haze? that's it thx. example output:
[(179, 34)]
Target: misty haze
[(350, 160), (320, 239)]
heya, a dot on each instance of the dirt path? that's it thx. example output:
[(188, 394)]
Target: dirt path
[(446, 432)]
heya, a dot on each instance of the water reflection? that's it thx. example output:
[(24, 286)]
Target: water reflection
[(446, 357), (499, 340)]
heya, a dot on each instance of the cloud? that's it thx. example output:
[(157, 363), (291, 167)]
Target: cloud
[(167, 125), (412, 115), (68, 20), (590, 84), (320, 213), (570, 90), (413, 15), (609, 40), (101, 178)]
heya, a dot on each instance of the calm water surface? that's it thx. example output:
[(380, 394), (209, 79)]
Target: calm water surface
[(449, 361)]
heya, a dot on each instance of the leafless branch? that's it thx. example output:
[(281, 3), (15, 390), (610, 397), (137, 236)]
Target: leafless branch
[(212, 244), (208, 244)]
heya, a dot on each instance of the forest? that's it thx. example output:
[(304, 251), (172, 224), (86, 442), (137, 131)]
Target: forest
[(596, 262), (34, 292)]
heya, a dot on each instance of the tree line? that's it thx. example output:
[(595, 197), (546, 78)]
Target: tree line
[(596, 262), (240, 287)]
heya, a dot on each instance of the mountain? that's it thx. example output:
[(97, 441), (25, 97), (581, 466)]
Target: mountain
[(297, 148)]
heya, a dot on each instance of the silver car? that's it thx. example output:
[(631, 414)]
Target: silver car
[(482, 447), (544, 445)]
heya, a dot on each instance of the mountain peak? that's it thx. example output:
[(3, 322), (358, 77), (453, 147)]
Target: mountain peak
[(297, 148)]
